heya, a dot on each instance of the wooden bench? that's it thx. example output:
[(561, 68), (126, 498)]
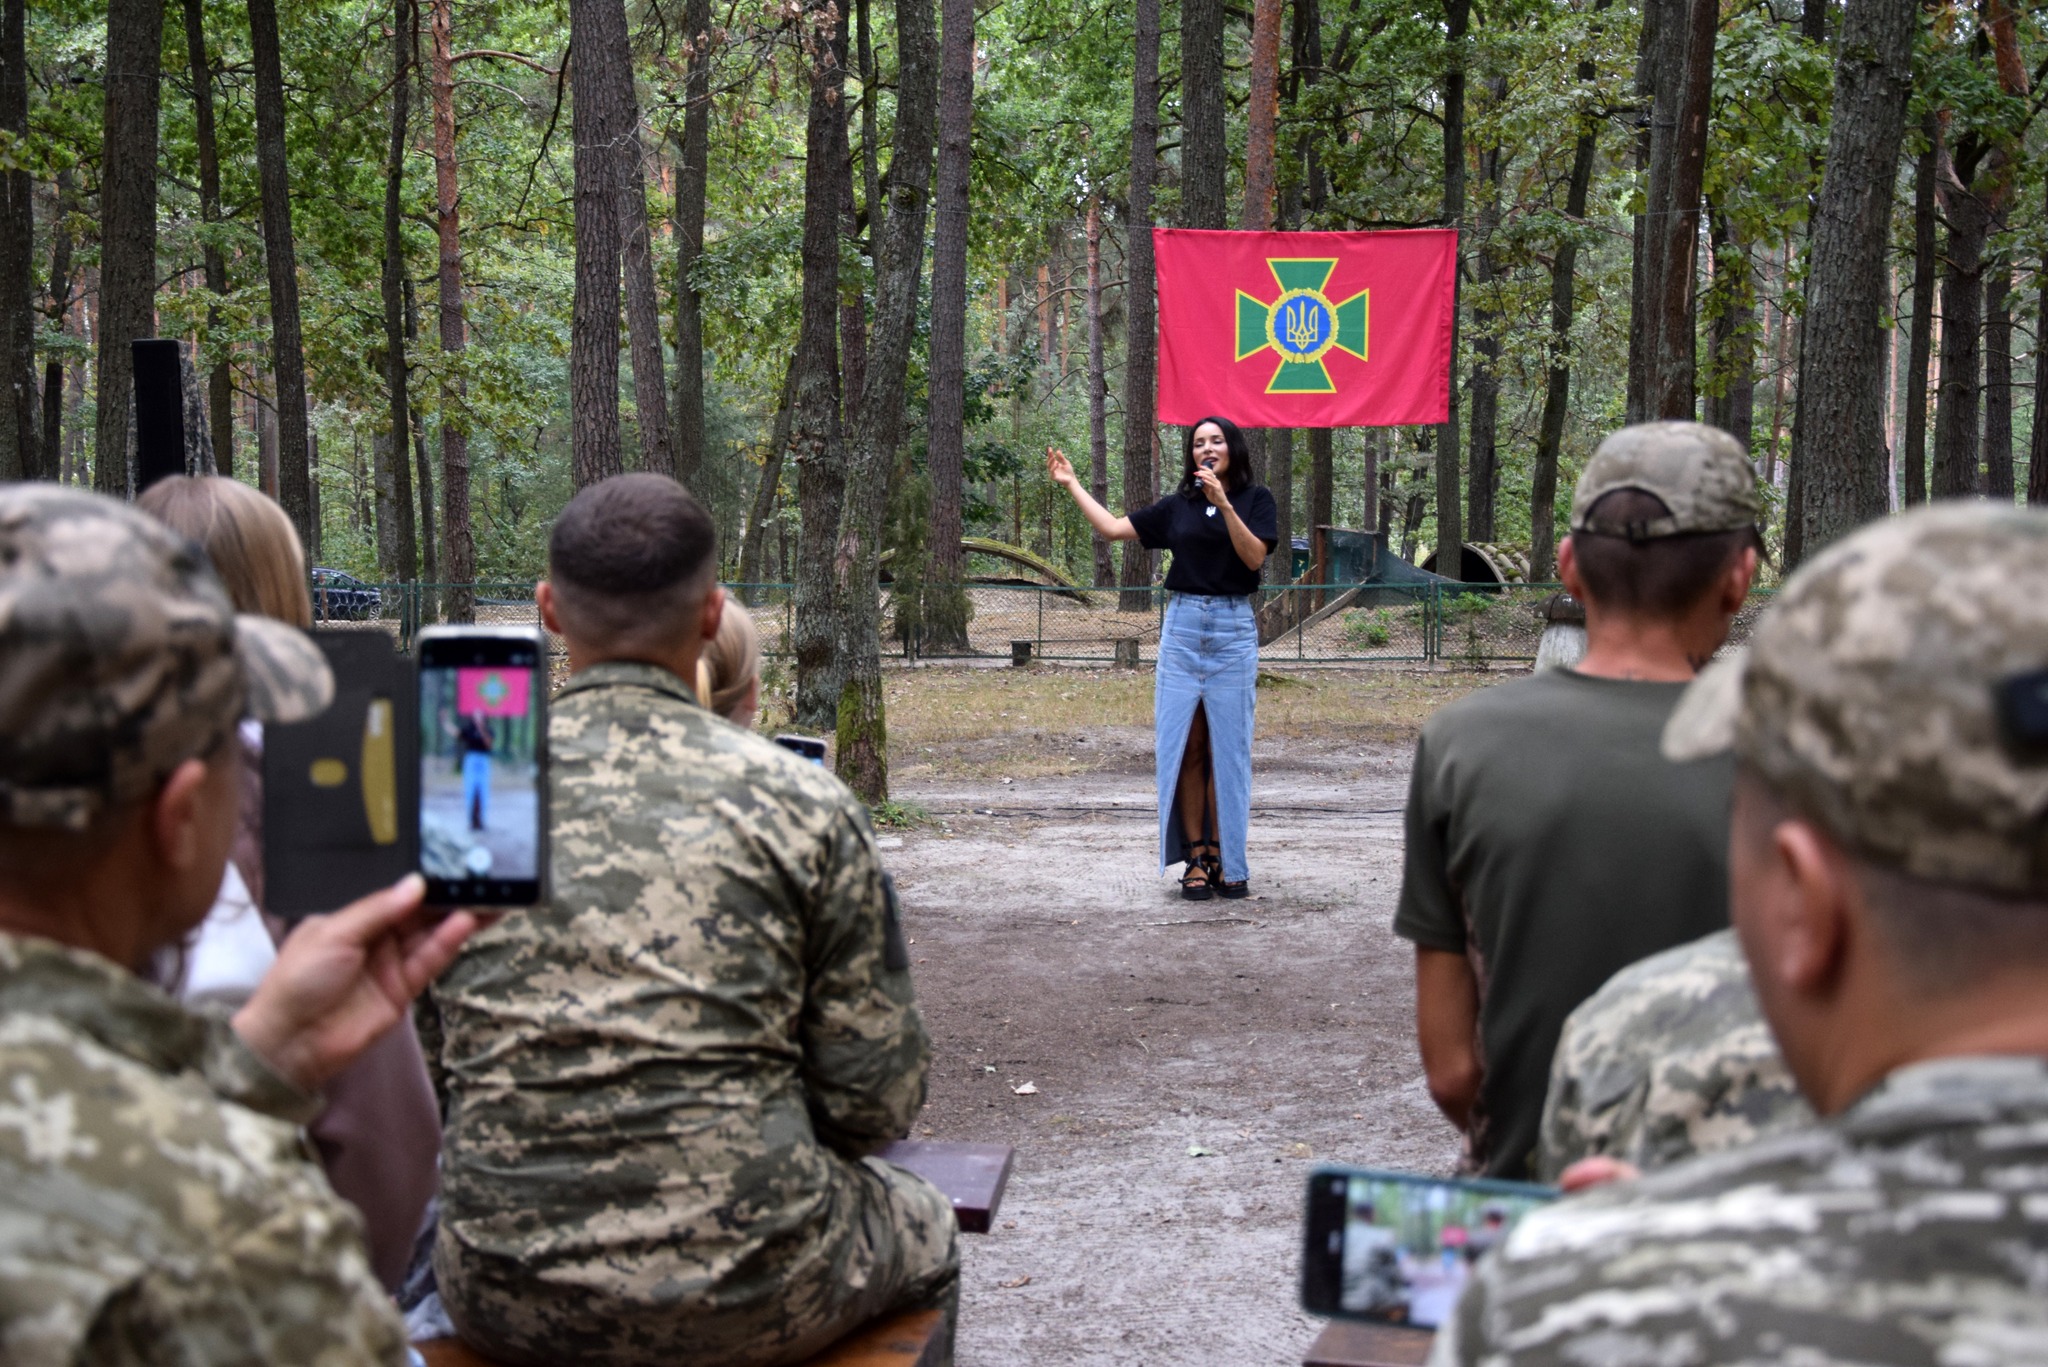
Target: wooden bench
[(1344, 1343), (906, 1340)]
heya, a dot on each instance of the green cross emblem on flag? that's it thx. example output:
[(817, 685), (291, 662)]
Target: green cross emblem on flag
[(1302, 325)]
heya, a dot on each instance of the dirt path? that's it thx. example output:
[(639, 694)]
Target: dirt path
[(1273, 1034)]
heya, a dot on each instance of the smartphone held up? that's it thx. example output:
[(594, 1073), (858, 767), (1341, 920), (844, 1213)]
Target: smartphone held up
[(483, 752), (1397, 1248)]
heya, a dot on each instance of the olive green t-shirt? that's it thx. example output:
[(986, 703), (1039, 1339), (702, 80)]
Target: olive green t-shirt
[(1552, 844)]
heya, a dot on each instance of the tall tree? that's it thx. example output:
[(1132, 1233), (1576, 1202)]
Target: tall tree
[(862, 757), (1483, 474), (1731, 395), (1965, 202), (135, 35), (1838, 436), (1558, 376), (815, 435), (423, 466), (58, 309), (1204, 153), (945, 609), (1913, 448), (1262, 114), (602, 117), (20, 417), (397, 533), (458, 542), (1998, 383), (1140, 303), (692, 179), (280, 260), (1450, 530), (1098, 390), (643, 306), (2037, 448), (1677, 71), (220, 390)]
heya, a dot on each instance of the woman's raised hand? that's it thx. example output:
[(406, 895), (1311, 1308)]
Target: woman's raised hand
[(1211, 487), (1059, 469)]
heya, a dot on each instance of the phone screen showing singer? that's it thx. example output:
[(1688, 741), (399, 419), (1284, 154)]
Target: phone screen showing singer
[(479, 777)]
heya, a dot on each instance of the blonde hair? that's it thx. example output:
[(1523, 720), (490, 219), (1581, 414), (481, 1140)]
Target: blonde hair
[(247, 537), (731, 663)]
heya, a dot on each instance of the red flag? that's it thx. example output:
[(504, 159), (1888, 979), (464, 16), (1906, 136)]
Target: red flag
[(1305, 329)]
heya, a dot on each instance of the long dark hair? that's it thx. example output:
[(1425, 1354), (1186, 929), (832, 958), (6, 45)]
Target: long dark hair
[(1238, 477)]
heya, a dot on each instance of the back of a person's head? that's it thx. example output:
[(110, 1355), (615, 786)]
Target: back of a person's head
[(250, 541), (730, 666), (1661, 577), (629, 560)]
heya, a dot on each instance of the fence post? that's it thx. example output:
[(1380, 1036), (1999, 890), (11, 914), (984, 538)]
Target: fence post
[(1040, 595), (1432, 624)]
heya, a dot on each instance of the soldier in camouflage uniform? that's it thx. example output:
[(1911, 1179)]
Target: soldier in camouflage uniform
[(1670, 1059), (664, 1081), (157, 1201), (1889, 882)]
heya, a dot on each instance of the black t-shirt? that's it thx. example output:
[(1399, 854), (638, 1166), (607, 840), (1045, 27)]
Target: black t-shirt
[(1197, 533), (1551, 843)]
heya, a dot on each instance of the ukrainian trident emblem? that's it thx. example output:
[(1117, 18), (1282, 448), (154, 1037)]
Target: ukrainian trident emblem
[(1302, 325)]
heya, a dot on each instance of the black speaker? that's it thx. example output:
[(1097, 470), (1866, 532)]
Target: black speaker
[(159, 411)]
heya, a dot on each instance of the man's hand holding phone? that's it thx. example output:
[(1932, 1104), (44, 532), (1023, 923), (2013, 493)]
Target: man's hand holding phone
[(342, 980)]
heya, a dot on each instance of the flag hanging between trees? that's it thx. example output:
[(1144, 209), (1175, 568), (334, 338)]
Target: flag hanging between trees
[(1305, 329)]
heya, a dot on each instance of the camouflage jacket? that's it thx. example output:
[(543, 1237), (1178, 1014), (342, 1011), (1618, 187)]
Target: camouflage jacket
[(1910, 1229), (156, 1204), (1671, 1058), (645, 1073)]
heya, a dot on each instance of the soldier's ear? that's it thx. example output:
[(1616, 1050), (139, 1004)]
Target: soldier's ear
[(544, 599), (712, 613), (1811, 925)]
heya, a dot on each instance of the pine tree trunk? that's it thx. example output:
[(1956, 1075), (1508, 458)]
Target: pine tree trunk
[(643, 305), (1322, 486), (853, 304), (52, 446), (1998, 485), (1140, 304), (1731, 406), (753, 543), (1204, 154), (1913, 450), (1557, 387), (1280, 479), (1838, 441), (862, 756), (1484, 473), (1673, 281), (945, 607), (1956, 450), (691, 179), (1098, 393), (219, 379), (397, 534), (815, 438), (423, 468), (20, 413), (458, 542), (1450, 530), (127, 298), (2037, 446), (1262, 114), (870, 124), (280, 260), (601, 113)]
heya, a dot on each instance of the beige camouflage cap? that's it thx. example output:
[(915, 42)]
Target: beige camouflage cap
[(1698, 471), (121, 657), (1898, 692)]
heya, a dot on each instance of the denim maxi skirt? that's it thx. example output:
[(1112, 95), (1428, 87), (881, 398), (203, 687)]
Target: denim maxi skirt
[(1208, 654)]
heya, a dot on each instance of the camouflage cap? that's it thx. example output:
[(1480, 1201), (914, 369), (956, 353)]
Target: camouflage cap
[(1898, 692), (1700, 473), (121, 657)]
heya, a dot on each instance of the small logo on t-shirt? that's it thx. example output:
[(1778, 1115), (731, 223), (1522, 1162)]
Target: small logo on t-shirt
[(1210, 511)]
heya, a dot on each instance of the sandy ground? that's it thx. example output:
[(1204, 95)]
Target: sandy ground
[(1272, 1034)]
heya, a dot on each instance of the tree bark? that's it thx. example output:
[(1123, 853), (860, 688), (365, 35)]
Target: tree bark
[(1262, 114), (2037, 446), (636, 252), (1322, 485), (220, 394), (1203, 150), (52, 447), (127, 308), (280, 259), (1921, 344), (945, 609), (1731, 404), (1279, 474), (870, 123), (397, 534), (1140, 303), (458, 542), (753, 542), (602, 117), (815, 437), (1483, 477), (1450, 530), (1838, 439), (20, 415), (1098, 393), (862, 757), (1677, 165), (1998, 484), (692, 177), (1956, 450), (423, 468)]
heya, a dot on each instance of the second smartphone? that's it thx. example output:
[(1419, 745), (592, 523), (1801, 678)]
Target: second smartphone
[(483, 818)]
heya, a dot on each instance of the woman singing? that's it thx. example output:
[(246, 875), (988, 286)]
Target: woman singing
[(1220, 526)]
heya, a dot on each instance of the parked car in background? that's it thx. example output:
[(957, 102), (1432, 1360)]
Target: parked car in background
[(341, 597)]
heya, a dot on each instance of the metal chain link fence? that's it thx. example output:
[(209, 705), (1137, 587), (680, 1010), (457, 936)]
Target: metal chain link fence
[(1330, 624)]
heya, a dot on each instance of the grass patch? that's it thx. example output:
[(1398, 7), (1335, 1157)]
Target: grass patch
[(898, 816)]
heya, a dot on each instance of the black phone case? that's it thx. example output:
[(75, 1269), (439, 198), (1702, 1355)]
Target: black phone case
[(341, 791)]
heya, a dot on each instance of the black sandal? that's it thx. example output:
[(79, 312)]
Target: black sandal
[(1242, 888), (1196, 883)]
